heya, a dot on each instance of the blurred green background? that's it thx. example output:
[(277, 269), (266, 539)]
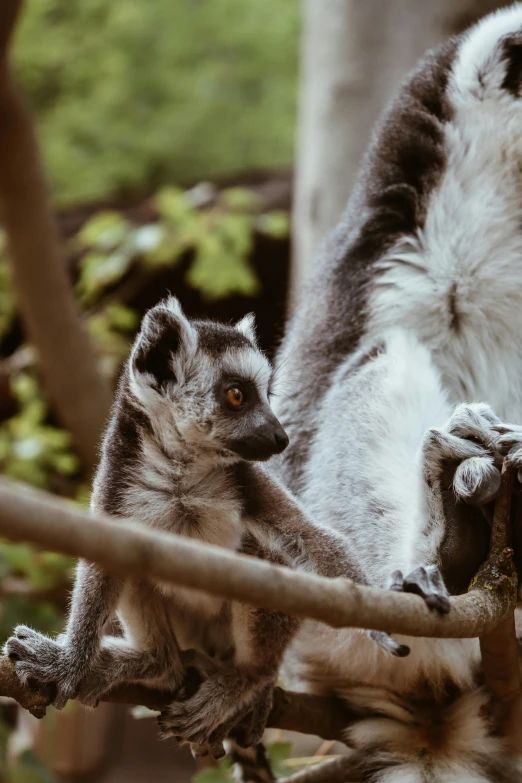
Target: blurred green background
[(130, 94)]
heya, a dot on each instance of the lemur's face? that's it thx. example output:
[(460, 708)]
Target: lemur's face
[(205, 385)]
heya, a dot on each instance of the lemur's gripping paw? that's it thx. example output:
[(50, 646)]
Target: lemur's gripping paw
[(218, 705), (469, 441), (249, 731), (427, 582), (97, 682), (43, 660), (509, 444)]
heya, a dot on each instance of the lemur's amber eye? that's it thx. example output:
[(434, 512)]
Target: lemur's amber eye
[(235, 397)]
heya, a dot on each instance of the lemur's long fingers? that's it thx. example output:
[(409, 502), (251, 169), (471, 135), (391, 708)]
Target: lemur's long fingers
[(427, 582), (477, 481)]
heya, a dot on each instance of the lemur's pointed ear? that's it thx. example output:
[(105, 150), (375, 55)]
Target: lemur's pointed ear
[(247, 326), (166, 342)]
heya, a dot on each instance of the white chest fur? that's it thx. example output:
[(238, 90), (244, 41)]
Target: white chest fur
[(197, 503), (458, 282)]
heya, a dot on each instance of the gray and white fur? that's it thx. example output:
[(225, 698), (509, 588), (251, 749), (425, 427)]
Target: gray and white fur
[(402, 360), (191, 425)]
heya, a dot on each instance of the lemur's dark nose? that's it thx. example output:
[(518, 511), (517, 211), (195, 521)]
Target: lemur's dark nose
[(281, 441)]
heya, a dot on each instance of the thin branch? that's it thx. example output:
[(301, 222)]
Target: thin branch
[(44, 293), (344, 769), (35, 700), (499, 647), (323, 716), (136, 551)]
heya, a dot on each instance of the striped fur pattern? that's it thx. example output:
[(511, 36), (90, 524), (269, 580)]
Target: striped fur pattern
[(403, 348)]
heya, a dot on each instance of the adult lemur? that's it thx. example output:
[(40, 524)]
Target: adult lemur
[(413, 307), (190, 421)]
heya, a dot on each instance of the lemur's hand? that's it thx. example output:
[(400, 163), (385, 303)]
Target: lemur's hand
[(232, 702), (45, 660), (509, 444)]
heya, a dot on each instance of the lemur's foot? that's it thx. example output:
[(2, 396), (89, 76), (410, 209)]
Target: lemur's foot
[(249, 731), (43, 660), (426, 582), (219, 704), (97, 682)]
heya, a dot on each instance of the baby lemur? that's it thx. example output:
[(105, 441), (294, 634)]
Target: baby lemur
[(189, 425)]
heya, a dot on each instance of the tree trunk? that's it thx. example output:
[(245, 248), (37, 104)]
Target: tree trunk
[(80, 395), (354, 54)]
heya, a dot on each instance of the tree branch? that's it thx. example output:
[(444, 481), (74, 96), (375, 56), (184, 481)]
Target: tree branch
[(137, 551), (140, 552), (499, 647), (81, 397)]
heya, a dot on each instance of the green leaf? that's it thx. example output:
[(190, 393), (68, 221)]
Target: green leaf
[(275, 224), (98, 271), (66, 463), (24, 387), (217, 273), (122, 317), (240, 199), (236, 233), (221, 774), (278, 753), (173, 206), (104, 231), (170, 250)]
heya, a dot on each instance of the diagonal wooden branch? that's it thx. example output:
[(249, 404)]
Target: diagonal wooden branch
[(134, 550), (29, 515), (68, 364)]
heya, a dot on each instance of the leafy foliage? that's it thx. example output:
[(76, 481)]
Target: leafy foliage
[(29, 447), (220, 238), (28, 769), (278, 753), (129, 94)]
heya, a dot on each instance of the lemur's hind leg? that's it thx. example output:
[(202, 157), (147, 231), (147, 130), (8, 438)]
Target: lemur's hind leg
[(226, 697), (148, 651)]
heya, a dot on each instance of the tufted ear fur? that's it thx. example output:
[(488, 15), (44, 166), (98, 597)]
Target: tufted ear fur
[(166, 343), (247, 326)]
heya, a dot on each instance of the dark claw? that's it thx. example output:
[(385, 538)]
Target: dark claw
[(389, 644)]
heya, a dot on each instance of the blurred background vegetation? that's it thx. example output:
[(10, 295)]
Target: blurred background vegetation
[(129, 95), (167, 134)]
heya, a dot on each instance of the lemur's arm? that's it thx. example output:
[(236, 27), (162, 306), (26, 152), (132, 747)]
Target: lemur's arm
[(277, 519)]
